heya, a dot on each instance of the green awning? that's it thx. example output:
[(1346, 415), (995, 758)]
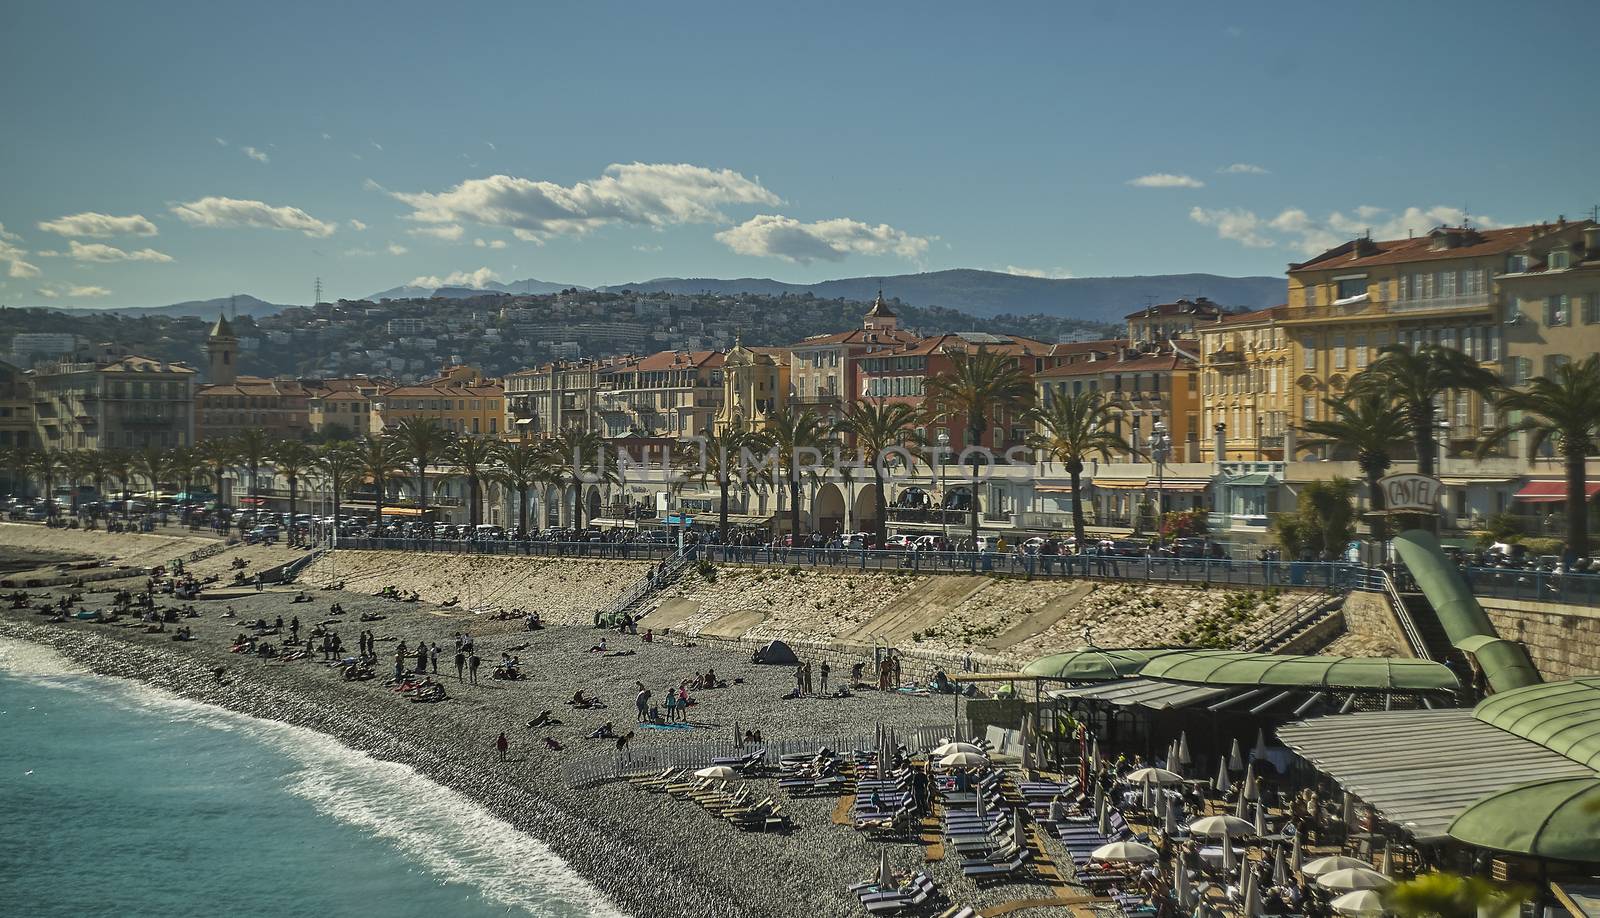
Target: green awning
[(1254, 479), (1232, 667), (1552, 819), (1091, 664), (1561, 716)]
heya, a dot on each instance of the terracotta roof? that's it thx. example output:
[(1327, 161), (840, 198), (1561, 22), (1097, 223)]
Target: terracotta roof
[(144, 365), (1135, 365), (1472, 243), (965, 341), (681, 360), (1086, 347), (1254, 315), (860, 336), (444, 391)]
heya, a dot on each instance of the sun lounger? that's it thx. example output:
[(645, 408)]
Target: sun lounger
[(982, 872)]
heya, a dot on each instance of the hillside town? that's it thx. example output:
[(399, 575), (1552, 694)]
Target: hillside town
[(1210, 421)]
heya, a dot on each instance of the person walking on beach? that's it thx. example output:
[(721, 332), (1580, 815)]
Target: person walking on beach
[(642, 702), (800, 679), (461, 662), (422, 657), (433, 658), (672, 705), (825, 670), (294, 629), (400, 663), (500, 744), (472, 668)]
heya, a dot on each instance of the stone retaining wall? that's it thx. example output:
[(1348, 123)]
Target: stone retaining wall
[(1564, 641)]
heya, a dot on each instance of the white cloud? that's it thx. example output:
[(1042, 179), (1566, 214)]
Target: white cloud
[(490, 244), (827, 240), (1036, 272), (99, 226), (223, 212), (456, 279), (491, 145), (1242, 226), (647, 248), (1243, 169), (101, 253), (376, 146), (14, 256), (1299, 230), (397, 249), (452, 231), (255, 154), (360, 252), (1166, 180), (644, 194), (326, 136), (357, 225), (220, 141), (85, 291)]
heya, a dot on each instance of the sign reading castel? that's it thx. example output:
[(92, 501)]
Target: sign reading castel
[(1409, 492)]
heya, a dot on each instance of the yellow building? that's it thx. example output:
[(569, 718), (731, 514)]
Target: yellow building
[(1146, 388), (460, 399), (755, 386), (1440, 288), (1245, 385)]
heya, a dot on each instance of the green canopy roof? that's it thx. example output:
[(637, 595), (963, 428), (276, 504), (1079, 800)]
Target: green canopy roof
[(1092, 664), (1254, 479), (1561, 716), (1550, 819), (1232, 667)]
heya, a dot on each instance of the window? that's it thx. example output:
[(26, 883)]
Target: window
[(1338, 352), (1463, 411), (1555, 362), (1491, 343), (1445, 283), (1308, 407), (1351, 286), (1272, 380), (1559, 260), (1310, 294), (1516, 264), (1361, 351), (1309, 347), (1557, 310), (1591, 308), (1472, 282)]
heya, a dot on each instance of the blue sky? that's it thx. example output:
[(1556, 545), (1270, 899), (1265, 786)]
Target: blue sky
[(262, 145)]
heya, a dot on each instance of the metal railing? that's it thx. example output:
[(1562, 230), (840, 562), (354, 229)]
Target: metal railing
[(1534, 585), (648, 585), (1381, 580), (617, 551), (1277, 630)]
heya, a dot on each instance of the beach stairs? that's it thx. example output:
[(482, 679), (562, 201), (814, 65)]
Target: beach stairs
[(634, 598)]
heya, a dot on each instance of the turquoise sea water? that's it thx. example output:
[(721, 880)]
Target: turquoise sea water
[(118, 799)]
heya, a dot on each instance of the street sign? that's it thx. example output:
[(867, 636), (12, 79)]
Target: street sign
[(1409, 492)]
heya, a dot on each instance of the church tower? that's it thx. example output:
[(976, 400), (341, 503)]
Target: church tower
[(880, 317), (222, 347)]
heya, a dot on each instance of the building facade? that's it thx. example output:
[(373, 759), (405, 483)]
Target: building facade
[(824, 370), (1246, 366), (755, 387), (113, 401), (670, 393)]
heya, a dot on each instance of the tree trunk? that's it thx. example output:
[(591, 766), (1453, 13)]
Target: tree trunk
[(377, 504), (1075, 473), (472, 495), (973, 489), (422, 484), (722, 511), (522, 509), (1423, 438), (294, 492), (1380, 528), (794, 511), (1577, 507)]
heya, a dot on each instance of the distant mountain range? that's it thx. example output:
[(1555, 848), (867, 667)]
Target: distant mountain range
[(990, 293), (981, 293)]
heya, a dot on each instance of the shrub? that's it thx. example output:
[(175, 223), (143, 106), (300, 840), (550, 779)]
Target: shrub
[(1542, 546)]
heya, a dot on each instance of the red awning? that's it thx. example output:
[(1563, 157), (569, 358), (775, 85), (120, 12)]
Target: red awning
[(1551, 492)]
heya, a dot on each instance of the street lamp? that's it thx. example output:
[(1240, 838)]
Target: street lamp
[(1160, 448), (944, 522)]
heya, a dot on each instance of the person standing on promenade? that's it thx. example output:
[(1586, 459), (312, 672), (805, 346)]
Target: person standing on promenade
[(671, 704), (501, 744), (472, 667), (461, 662), (825, 670)]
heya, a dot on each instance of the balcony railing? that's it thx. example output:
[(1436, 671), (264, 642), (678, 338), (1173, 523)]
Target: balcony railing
[(826, 398), (1226, 356), (1469, 301)]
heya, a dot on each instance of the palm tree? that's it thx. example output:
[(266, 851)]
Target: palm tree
[(1565, 409), (792, 434), (16, 464), (877, 426), (1449, 895), (979, 383), (293, 459), (475, 457), (251, 447), (218, 455), (46, 463), (1416, 379), (581, 461), (74, 464), (1072, 429), (1371, 428), (423, 442), (119, 465), (340, 463), (151, 465), (185, 466), (378, 458), (718, 460), (524, 465)]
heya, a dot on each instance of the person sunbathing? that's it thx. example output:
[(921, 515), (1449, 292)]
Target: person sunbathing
[(606, 731), (600, 647), (550, 743), (543, 720), (452, 601)]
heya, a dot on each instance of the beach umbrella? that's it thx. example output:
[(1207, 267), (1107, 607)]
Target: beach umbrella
[(1058, 810), (1099, 798), (1222, 776), (1104, 823), (1183, 748), (1144, 795), (1360, 903), (885, 875), (1296, 855), (1160, 777), (958, 760), (1019, 830), (1322, 865), (1261, 819), (1172, 756), (1180, 885), (1240, 804), (1252, 899), (1216, 826), (1350, 878), (1170, 826), (1229, 862), (1280, 869), (1246, 871), (1235, 757), (949, 747), (1094, 754), (1383, 860), (1260, 752), (1130, 852), (1250, 790), (717, 771)]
